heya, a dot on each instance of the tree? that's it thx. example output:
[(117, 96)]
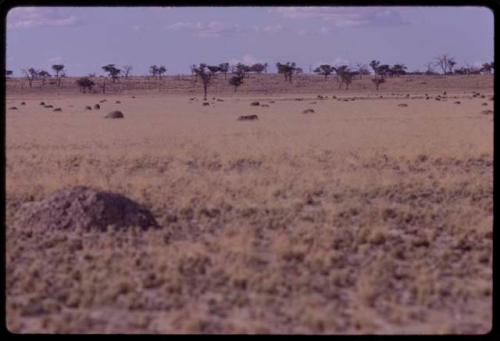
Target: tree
[(153, 70), (213, 68), (258, 68), (362, 70), (287, 70), (8, 73), (377, 81), (161, 70), (126, 70), (241, 68), (30, 75), (58, 68), (398, 69), (446, 63), (43, 75), (324, 70), (85, 83), (112, 71), (236, 81), (487, 67), (224, 68), (429, 69), (384, 70), (344, 76), (205, 77), (374, 64)]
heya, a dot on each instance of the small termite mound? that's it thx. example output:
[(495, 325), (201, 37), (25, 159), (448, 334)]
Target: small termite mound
[(23, 103), (115, 114), (248, 118), (255, 104), (308, 111), (117, 102), (13, 108), (88, 107), (85, 209), (402, 105), (97, 107), (58, 109), (42, 103)]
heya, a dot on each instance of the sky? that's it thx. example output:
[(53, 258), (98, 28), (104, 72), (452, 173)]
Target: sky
[(86, 38)]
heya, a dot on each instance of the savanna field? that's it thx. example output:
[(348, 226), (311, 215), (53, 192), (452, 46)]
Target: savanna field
[(372, 213)]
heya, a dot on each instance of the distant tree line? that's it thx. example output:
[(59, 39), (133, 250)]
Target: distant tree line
[(343, 74)]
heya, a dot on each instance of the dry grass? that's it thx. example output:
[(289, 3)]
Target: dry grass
[(362, 218)]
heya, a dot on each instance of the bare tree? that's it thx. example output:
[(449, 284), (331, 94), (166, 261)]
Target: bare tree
[(446, 63), (362, 70), (126, 70)]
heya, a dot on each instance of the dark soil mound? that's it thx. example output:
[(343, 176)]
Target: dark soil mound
[(248, 118), (84, 208), (97, 107), (115, 114)]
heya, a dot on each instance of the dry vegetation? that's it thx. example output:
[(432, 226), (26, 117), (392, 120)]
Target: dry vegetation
[(364, 217)]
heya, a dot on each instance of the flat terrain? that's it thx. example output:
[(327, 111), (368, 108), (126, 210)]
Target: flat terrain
[(365, 216)]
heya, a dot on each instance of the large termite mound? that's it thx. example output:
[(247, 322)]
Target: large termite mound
[(84, 208)]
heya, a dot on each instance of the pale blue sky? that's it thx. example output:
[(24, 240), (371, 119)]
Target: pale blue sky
[(86, 38)]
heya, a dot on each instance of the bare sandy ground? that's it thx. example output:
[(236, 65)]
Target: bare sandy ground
[(362, 217)]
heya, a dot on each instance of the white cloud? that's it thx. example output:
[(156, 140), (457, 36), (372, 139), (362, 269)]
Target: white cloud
[(204, 30), (344, 16), (31, 17), (270, 28), (55, 60), (303, 32), (247, 59), (221, 29)]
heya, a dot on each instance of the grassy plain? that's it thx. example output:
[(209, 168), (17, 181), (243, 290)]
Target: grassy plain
[(362, 217)]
